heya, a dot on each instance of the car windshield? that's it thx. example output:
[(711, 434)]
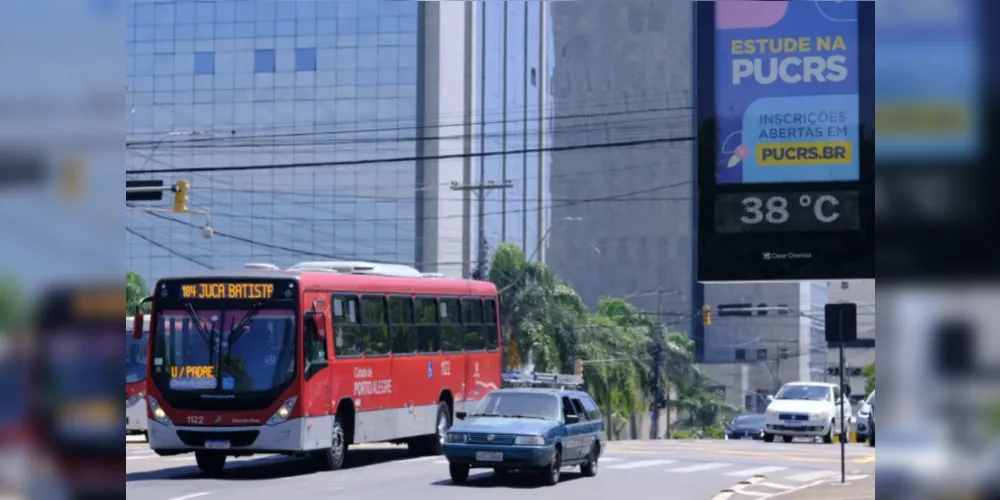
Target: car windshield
[(222, 352), (519, 405), (804, 392), (749, 420), (871, 400), (135, 358)]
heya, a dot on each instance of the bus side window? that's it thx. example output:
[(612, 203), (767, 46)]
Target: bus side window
[(402, 339), (492, 334), (428, 329), (452, 337), (376, 328), (472, 323), (349, 340)]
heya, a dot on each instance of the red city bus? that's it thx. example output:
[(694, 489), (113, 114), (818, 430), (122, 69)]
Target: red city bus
[(76, 413), (241, 362), (136, 351)]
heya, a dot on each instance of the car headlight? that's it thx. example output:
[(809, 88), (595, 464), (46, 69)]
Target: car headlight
[(769, 412), (456, 438), (158, 414), (132, 401), (283, 412), (819, 416), (529, 440)]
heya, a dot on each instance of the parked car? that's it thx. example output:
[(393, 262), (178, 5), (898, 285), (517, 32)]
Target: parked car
[(536, 430), (806, 409), (862, 423), (746, 427)]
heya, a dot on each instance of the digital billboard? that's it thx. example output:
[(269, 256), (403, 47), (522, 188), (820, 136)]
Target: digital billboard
[(785, 160)]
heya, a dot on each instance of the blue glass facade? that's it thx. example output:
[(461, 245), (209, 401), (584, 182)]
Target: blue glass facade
[(513, 105), (327, 84)]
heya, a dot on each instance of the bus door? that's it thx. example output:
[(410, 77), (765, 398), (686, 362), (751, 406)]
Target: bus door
[(451, 369)]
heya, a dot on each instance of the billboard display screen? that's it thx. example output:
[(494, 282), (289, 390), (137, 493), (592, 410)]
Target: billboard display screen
[(785, 164)]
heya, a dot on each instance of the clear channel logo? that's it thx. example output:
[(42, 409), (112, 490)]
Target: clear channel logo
[(785, 256)]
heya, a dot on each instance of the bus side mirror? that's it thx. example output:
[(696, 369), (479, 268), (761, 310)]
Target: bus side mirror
[(137, 321), (319, 326)]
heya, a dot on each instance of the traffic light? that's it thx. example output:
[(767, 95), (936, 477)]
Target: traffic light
[(181, 196), (579, 367), (706, 315)]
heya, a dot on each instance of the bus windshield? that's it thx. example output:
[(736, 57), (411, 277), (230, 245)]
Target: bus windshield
[(135, 358), (226, 351)]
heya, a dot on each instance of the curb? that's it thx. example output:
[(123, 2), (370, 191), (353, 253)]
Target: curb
[(726, 493)]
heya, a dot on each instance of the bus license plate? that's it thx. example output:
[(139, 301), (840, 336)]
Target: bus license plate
[(489, 456), (217, 445)]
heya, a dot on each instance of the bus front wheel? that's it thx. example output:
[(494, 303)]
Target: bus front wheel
[(209, 463)]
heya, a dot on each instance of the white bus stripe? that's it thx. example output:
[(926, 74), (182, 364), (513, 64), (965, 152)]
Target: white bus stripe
[(759, 470), (700, 467), (641, 464)]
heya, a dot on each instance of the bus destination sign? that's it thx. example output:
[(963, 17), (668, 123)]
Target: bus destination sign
[(233, 291)]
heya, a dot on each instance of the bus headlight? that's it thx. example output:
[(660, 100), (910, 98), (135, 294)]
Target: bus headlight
[(284, 412), (158, 414)]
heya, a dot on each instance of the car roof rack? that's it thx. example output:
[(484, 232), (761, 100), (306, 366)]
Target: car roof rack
[(515, 379)]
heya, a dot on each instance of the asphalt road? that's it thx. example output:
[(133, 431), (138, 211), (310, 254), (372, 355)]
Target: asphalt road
[(688, 470)]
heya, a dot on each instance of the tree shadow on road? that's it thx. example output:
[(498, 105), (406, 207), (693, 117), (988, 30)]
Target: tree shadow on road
[(269, 468)]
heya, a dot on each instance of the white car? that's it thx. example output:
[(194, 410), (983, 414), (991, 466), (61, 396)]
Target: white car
[(862, 423), (807, 410)]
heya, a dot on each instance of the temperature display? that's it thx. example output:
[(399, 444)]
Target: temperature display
[(787, 211)]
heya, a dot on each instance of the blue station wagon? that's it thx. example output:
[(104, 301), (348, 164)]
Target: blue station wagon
[(537, 430)]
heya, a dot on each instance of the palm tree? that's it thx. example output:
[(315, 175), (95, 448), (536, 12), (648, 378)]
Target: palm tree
[(135, 290)]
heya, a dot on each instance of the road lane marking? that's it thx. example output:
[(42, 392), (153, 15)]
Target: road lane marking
[(776, 486), (701, 467), (440, 462), (758, 470), (189, 497), (611, 459), (808, 477), (641, 464)]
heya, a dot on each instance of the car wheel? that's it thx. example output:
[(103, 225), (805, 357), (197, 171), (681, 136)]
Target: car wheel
[(768, 438), (552, 473), (459, 473), (828, 438), (871, 435), (209, 463), (787, 439), (589, 468)]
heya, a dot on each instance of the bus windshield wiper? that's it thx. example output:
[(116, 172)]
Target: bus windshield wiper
[(237, 331), (206, 336)]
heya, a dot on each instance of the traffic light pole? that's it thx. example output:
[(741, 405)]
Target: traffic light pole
[(658, 401)]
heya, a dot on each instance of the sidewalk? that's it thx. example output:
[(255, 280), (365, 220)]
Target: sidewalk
[(852, 490)]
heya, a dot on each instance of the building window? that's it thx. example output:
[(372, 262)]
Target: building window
[(741, 355), (263, 61), (204, 63), (534, 77), (305, 59)]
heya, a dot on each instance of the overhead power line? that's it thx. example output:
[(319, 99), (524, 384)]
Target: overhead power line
[(403, 159)]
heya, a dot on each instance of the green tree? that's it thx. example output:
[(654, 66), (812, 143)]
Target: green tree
[(135, 290), (543, 317), (868, 371)]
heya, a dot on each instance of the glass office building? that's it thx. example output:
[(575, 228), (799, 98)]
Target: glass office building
[(514, 109), (342, 125)]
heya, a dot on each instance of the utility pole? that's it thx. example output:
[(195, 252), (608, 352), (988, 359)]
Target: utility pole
[(664, 380), (658, 399), (481, 190)]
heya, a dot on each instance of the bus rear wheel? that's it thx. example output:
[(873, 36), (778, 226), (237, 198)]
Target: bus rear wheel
[(433, 444), (210, 463)]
